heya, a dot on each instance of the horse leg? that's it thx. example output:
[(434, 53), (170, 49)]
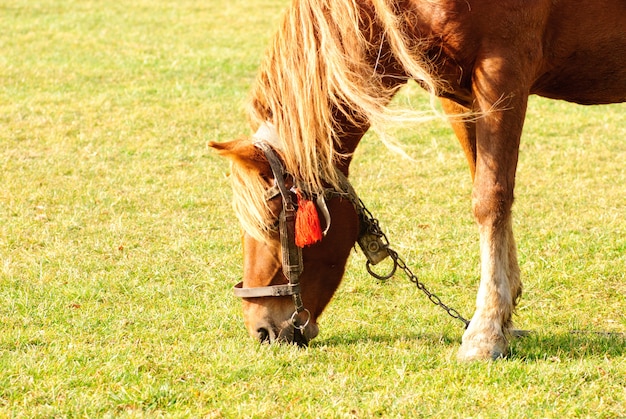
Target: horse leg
[(464, 129), (496, 136)]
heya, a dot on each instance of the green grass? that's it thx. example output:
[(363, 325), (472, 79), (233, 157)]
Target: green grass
[(118, 247)]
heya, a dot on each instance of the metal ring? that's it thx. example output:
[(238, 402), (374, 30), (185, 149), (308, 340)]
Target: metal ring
[(368, 265), (294, 318)]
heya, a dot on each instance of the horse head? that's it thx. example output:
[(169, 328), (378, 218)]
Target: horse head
[(285, 287)]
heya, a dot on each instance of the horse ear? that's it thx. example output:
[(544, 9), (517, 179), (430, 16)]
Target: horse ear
[(244, 154)]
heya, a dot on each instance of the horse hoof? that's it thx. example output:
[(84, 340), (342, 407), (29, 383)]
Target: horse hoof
[(482, 351)]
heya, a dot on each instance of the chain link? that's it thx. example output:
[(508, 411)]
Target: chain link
[(373, 227)]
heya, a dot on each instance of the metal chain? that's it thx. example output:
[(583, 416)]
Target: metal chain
[(420, 286), (373, 227)]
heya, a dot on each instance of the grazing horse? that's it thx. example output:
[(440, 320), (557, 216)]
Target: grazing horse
[(328, 76)]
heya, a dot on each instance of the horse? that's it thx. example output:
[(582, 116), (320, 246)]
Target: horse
[(328, 77)]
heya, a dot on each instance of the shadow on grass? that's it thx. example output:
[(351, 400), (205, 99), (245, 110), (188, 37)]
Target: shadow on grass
[(389, 339), (568, 345), (534, 347)]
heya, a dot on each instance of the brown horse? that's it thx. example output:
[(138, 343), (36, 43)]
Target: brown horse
[(331, 70)]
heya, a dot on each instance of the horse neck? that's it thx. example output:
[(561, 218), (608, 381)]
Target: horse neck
[(348, 140)]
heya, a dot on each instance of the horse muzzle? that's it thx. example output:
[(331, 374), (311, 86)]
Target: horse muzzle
[(286, 333)]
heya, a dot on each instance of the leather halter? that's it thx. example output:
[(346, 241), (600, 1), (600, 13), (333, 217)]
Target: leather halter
[(291, 253)]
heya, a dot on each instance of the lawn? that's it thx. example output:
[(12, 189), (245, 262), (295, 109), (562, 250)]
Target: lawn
[(119, 248)]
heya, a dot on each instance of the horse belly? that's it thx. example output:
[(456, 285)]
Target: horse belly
[(584, 53)]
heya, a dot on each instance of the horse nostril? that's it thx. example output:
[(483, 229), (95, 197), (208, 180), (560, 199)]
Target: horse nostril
[(263, 335)]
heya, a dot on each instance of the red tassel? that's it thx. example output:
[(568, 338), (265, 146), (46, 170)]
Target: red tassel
[(308, 227)]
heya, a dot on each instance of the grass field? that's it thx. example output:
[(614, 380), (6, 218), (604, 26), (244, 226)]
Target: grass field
[(118, 247)]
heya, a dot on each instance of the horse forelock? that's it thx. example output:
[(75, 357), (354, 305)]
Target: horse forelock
[(322, 61)]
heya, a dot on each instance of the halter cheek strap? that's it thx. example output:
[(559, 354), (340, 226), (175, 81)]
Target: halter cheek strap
[(291, 253)]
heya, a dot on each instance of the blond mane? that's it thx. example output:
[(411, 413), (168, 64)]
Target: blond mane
[(323, 60)]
